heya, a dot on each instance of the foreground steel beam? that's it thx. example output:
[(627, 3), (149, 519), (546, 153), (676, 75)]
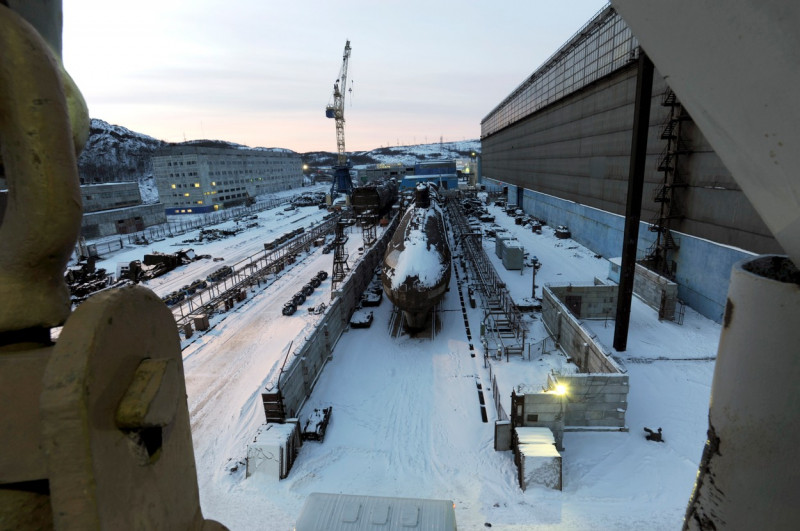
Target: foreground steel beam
[(735, 71), (633, 206)]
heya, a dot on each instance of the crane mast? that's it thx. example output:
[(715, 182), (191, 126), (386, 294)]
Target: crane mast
[(342, 182)]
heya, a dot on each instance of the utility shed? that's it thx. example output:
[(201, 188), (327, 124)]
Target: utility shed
[(501, 236), (512, 255), (348, 512), (537, 458)]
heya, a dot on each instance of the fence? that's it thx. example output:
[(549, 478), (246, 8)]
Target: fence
[(182, 226), (98, 248), (498, 401), (173, 228)]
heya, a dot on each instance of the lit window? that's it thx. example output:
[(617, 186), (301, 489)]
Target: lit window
[(172, 186), (197, 185), (213, 183), (199, 202), (188, 210), (186, 194)]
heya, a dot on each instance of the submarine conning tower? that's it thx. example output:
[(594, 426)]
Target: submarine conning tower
[(422, 196), (416, 266)]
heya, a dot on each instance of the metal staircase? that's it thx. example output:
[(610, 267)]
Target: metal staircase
[(659, 254)]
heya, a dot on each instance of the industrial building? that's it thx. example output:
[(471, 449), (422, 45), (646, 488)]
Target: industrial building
[(441, 172), (116, 208), (561, 144), (203, 177), (374, 172)]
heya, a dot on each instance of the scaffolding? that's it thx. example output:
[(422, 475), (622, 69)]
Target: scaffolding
[(340, 267), (502, 319)]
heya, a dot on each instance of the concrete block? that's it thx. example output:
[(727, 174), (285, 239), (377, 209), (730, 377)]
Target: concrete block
[(537, 458), (540, 464), (593, 415)]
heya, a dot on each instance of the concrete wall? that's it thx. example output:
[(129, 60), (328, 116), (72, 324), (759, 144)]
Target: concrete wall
[(650, 287), (590, 401), (596, 301), (577, 149), (544, 410), (577, 342), (593, 400)]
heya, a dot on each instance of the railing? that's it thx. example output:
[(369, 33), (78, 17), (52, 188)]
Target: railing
[(490, 284), (182, 226), (248, 272)]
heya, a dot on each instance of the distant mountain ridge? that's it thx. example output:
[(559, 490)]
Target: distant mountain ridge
[(114, 153)]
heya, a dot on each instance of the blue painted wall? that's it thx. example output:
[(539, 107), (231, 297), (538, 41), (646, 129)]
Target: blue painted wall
[(704, 267)]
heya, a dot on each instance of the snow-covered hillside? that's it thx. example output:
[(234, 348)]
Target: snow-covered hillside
[(408, 155), (114, 153)]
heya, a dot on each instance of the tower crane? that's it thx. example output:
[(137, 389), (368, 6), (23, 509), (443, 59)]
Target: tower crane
[(341, 171)]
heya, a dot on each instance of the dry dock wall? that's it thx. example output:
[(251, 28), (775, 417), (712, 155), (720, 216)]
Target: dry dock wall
[(307, 359)]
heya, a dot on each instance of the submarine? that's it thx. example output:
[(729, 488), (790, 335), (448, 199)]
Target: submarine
[(416, 265)]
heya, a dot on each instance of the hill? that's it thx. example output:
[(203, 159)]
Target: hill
[(408, 155), (114, 153)]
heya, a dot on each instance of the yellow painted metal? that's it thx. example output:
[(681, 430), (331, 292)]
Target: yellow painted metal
[(43, 215)]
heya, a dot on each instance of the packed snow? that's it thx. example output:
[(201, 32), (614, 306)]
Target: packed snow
[(419, 263), (406, 416)]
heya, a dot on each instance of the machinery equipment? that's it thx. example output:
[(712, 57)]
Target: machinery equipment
[(342, 182)]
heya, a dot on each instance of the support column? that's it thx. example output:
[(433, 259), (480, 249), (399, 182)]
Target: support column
[(633, 209)]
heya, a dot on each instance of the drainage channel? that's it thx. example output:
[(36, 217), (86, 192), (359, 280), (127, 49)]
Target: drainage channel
[(481, 399)]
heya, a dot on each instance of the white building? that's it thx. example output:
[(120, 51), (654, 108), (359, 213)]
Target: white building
[(203, 177)]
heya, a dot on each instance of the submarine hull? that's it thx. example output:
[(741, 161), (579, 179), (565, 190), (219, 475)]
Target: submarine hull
[(416, 266)]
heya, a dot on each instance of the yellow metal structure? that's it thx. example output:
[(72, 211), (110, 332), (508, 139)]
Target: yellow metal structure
[(94, 427)]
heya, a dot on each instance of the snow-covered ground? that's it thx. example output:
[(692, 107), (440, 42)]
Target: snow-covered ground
[(406, 416)]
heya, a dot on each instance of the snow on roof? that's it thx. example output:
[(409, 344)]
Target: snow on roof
[(419, 258)]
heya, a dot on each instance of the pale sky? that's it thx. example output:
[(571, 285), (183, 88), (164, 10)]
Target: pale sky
[(260, 72)]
